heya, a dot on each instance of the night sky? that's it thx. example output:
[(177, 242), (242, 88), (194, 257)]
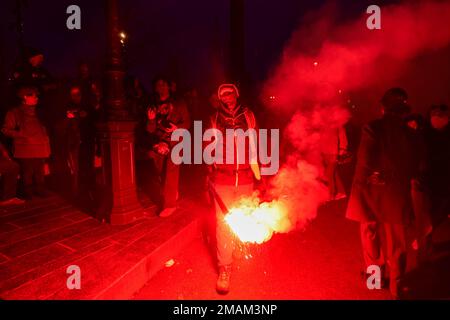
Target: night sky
[(187, 40)]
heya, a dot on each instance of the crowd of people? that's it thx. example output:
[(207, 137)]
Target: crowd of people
[(49, 137), (402, 166), (402, 178)]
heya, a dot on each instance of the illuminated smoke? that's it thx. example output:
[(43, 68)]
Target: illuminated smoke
[(351, 56), (310, 86)]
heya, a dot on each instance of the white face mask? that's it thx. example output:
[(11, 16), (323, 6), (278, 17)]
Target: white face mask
[(439, 122), (31, 101)]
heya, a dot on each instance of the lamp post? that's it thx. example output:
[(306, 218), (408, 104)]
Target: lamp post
[(116, 132)]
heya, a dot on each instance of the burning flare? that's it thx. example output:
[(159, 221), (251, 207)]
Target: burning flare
[(255, 222)]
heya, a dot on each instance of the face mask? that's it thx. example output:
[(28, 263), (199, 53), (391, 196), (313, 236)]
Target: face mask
[(31, 101), (439, 123)]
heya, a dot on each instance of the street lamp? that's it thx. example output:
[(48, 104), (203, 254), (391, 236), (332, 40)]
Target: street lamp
[(116, 133), (123, 38)]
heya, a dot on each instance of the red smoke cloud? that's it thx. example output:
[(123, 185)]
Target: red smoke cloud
[(353, 57), (348, 57)]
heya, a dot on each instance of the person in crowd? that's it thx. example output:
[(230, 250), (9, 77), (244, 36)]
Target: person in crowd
[(83, 116), (334, 145), (387, 168), (31, 71), (76, 113), (164, 117), (137, 97), (173, 86), (194, 104), (229, 182), (420, 198), (90, 89), (214, 102), (437, 135), (30, 141), (139, 101), (9, 173)]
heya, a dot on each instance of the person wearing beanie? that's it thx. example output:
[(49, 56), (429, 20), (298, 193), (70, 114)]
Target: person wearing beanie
[(230, 182), (31, 146)]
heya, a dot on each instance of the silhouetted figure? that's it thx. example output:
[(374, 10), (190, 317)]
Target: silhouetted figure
[(164, 117), (137, 98), (230, 181), (9, 172), (333, 145), (438, 142), (32, 72), (31, 144), (388, 163), (90, 88), (76, 113)]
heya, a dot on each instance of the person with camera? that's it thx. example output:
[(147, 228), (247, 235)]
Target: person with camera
[(165, 116)]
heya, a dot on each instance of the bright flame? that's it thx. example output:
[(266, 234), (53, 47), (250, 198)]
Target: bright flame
[(256, 223)]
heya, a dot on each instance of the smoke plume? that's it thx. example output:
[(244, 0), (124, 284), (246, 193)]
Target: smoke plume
[(321, 62)]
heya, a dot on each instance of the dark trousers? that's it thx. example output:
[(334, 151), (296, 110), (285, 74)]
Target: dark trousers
[(376, 236), (32, 170), (86, 168), (81, 169), (73, 166), (169, 177), (9, 171), (335, 184)]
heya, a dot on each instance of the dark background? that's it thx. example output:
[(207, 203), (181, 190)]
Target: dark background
[(187, 40)]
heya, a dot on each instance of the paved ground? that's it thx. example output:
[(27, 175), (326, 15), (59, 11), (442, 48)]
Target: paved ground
[(323, 262), (41, 238)]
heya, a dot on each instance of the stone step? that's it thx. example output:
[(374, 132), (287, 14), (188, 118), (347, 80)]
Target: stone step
[(115, 261)]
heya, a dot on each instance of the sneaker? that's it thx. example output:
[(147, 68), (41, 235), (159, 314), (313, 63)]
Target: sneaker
[(223, 282), (167, 212)]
